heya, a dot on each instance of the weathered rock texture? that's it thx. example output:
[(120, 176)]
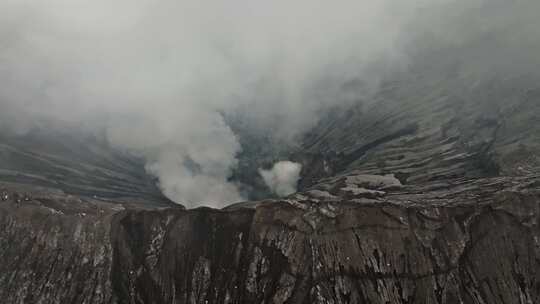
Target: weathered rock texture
[(446, 242)]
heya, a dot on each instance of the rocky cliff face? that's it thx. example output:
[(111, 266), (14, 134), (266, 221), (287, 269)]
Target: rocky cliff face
[(354, 239), (429, 193)]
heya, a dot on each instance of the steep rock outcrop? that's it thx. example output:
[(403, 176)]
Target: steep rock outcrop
[(447, 242)]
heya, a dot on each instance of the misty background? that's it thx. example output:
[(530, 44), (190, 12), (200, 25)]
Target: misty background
[(163, 80)]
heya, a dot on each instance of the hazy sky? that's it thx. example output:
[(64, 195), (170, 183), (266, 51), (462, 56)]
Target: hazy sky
[(154, 75)]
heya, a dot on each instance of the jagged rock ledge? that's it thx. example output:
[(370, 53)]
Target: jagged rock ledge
[(350, 239)]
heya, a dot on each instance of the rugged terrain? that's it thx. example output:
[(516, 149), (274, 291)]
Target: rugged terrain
[(355, 239), (427, 191), (417, 199)]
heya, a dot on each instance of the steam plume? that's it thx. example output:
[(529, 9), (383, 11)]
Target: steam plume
[(156, 76), (283, 178)]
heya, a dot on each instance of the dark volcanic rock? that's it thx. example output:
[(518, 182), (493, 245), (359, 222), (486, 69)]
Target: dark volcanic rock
[(449, 242)]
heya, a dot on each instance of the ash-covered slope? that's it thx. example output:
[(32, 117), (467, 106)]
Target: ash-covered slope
[(76, 163), (431, 124)]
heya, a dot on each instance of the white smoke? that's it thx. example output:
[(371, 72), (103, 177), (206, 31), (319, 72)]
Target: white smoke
[(283, 178), (155, 75)]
